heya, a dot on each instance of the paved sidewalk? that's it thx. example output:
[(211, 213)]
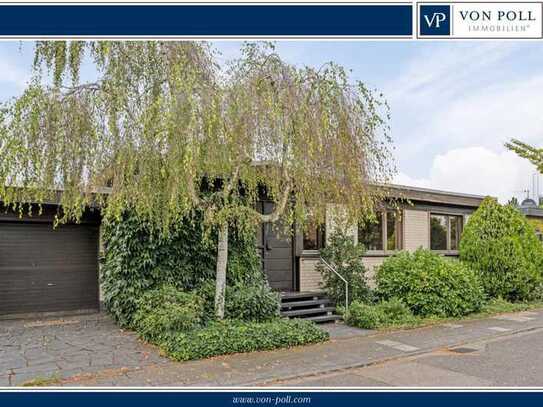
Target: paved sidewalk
[(347, 351)]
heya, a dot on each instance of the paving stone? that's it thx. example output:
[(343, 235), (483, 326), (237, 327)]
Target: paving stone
[(35, 348), (12, 363), (4, 381)]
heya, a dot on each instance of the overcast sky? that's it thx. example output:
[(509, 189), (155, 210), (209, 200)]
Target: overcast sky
[(453, 104)]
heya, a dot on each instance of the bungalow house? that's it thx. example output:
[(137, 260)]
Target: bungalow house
[(422, 217), (56, 271)]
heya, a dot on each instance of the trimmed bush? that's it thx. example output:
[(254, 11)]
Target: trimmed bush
[(225, 337), (244, 302), (346, 257), (138, 258), (429, 284), (386, 313), (166, 310), (501, 246)]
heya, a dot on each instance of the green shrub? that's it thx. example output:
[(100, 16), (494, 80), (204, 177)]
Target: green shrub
[(243, 302), (395, 311), (228, 336), (502, 247), (364, 316), (166, 310), (137, 258), (385, 313), (429, 284), (346, 257)]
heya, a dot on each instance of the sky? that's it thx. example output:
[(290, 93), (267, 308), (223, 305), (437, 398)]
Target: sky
[(453, 103)]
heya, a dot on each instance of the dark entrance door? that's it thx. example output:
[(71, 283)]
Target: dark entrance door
[(277, 253), (47, 270)]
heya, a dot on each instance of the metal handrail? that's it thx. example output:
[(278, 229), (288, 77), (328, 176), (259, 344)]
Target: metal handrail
[(342, 278)]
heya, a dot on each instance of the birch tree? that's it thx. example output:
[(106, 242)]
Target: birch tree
[(532, 154), (171, 132)]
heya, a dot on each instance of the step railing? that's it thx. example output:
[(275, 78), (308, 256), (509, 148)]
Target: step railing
[(333, 269)]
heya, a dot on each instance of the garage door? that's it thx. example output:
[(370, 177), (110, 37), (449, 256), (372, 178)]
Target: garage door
[(46, 270)]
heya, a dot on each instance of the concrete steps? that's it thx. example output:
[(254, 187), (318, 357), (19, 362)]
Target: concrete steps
[(314, 306)]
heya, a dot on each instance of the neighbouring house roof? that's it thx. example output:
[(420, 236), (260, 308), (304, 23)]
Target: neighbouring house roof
[(434, 196), (529, 207)]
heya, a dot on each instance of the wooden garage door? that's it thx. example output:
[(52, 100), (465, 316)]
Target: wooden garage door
[(45, 270)]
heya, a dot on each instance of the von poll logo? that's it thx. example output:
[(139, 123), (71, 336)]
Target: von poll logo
[(435, 20), (474, 20)]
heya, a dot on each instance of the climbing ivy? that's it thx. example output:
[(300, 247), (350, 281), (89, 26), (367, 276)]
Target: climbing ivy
[(137, 258)]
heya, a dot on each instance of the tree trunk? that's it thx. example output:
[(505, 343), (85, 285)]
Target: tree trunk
[(222, 259)]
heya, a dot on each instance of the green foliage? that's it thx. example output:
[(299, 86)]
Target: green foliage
[(364, 316), (502, 247), (227, 336), (499, 305), (383, 314), (429, 284), (167, 310), (161, 123), (531, 153), (170, 133), (342, 253), (246, 302), (138, 258)]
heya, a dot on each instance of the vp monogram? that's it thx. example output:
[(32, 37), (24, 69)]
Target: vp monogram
[(435, 20)]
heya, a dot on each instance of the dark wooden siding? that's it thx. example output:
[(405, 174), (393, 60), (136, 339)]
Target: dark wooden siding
[(45, 270)]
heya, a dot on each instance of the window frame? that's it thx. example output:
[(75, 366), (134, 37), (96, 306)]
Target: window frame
[(449, 215), (384, 241), (321, 231)]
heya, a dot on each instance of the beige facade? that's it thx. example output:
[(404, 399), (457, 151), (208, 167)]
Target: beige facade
[(310, 278), (416, 229), (415, 234)]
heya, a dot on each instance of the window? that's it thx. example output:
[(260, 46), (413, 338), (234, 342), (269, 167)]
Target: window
[(314, 238), (370, 234), (393, 231), (445, 231), (384, 233)]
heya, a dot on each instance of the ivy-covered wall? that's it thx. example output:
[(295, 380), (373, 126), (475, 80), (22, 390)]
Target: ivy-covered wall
[(136, 259)]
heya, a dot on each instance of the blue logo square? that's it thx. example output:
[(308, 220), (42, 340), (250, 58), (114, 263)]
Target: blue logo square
[(435, 20)]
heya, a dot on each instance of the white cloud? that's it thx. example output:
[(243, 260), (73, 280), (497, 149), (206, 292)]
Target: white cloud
[(454, 107), (476, 170), (13, 75)]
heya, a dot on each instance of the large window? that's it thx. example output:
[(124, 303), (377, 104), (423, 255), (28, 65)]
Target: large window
[(314, 237), (445, 231), (382, 234)]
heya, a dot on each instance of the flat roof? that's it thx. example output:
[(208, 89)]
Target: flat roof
[(398, 191), (434, 195), (533, 212)]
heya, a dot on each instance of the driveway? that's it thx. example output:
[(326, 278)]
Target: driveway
[(64, 347)]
